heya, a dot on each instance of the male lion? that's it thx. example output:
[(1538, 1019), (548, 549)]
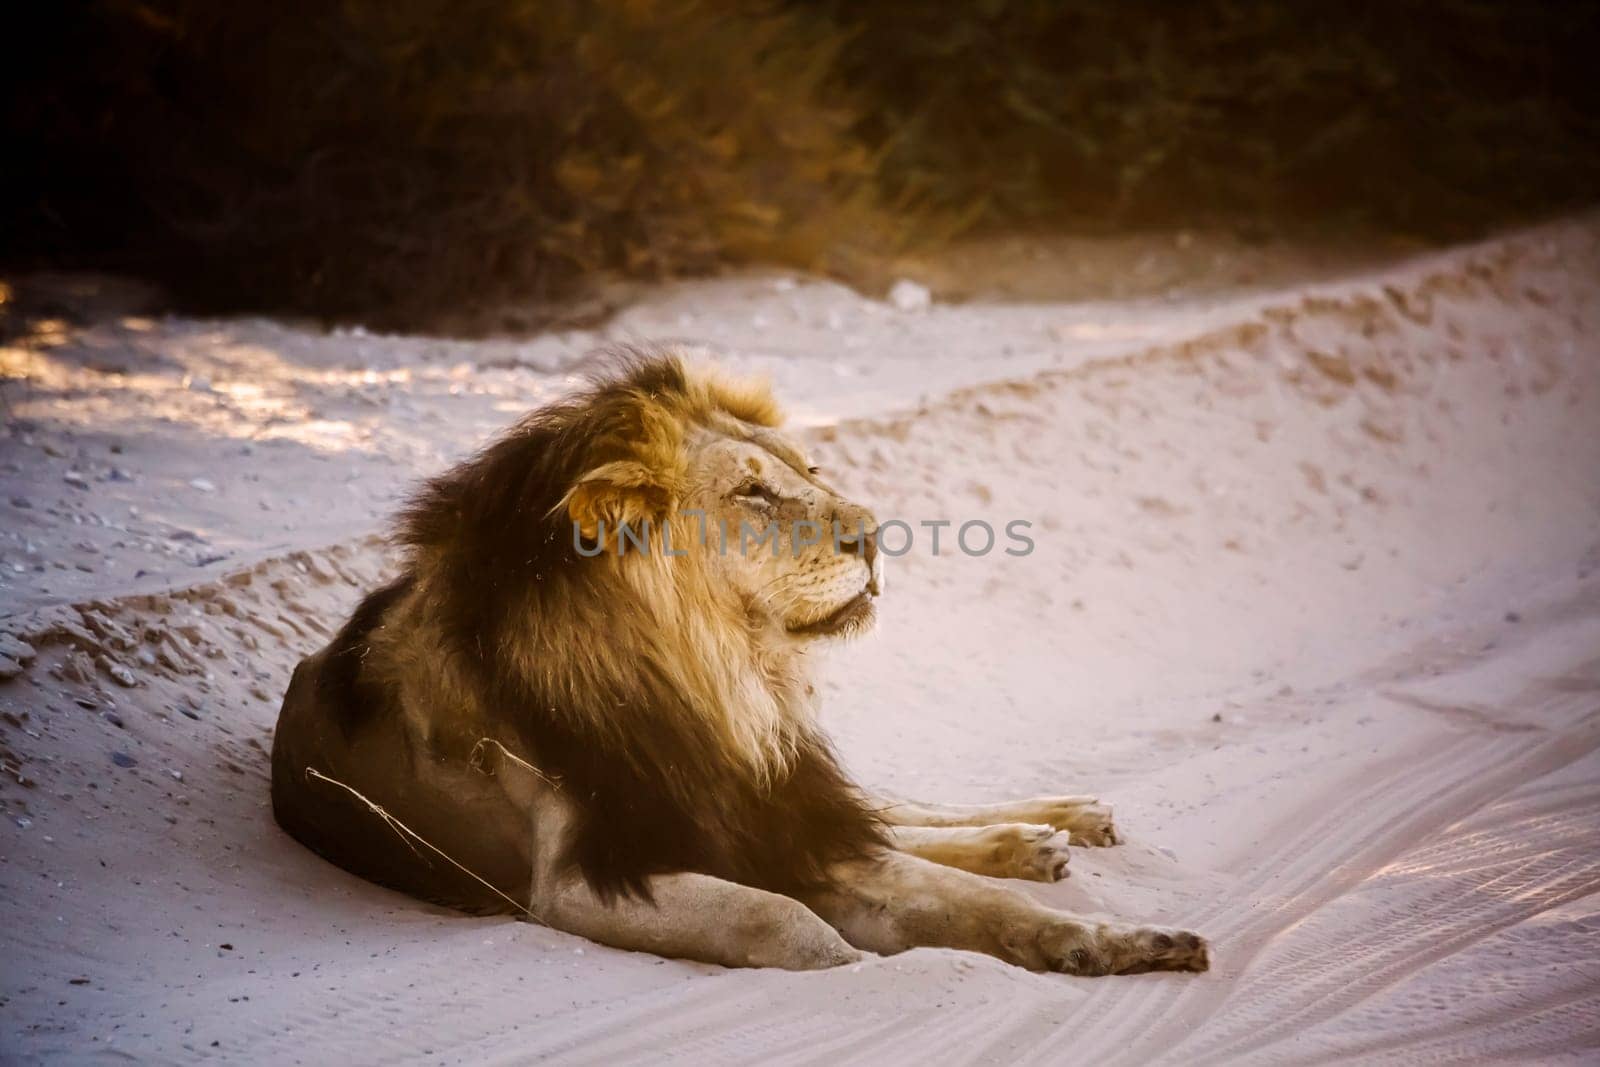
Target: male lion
[(623, 742)]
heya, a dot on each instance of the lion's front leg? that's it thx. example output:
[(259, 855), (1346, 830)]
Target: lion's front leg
[(896, 902), (1005, 850), (698, 917), (687, 915), (1085, 819)]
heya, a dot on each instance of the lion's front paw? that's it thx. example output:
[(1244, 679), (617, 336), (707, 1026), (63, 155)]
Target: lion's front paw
[(1157, 948), (1087, 820), (1036, 852), (1074, 948)]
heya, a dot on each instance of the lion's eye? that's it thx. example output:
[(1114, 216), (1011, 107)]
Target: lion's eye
[(755, 491)]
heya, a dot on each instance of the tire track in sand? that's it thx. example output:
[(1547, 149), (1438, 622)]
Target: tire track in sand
[(1283, 984)]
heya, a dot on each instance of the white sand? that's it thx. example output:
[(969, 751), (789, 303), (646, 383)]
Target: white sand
[(1315, 604)]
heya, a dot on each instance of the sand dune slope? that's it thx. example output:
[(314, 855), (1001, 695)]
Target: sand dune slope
[(1314, 602)]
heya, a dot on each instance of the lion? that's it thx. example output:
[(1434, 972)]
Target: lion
[(578, 701)]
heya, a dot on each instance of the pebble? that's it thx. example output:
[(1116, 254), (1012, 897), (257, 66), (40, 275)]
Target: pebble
[(119, 674), (21, 502), (113, 718), (75, 479), (122, 759), (9, 668), (202, 484)]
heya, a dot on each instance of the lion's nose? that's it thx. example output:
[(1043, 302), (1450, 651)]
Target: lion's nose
[(864, 543)]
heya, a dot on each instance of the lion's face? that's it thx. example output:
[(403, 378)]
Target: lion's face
[(795, 549), (701, 455)]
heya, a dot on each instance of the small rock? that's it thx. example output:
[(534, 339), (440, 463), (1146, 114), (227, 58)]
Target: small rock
[(9, 668), (75, 668), (21, 502), (119, 674), (203, 484), (907, 295), (85, 702), (122, 759), (1512, 616), (1217, 717), (75, 479), (13, 647), (113, 718), (177, 776)]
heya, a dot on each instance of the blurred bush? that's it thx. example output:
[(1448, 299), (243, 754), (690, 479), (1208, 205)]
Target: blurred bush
[(1438, 116), (396, 161)]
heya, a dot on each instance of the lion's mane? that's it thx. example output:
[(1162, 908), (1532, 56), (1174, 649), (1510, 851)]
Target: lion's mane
[(676, 729)]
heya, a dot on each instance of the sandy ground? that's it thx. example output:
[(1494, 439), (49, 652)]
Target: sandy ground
[(1315, 603)]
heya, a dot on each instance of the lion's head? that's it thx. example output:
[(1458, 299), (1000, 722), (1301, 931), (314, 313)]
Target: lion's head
[(652, 543), (691, 489)]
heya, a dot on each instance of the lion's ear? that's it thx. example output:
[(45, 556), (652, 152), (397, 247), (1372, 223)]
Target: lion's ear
[(616, 494)]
